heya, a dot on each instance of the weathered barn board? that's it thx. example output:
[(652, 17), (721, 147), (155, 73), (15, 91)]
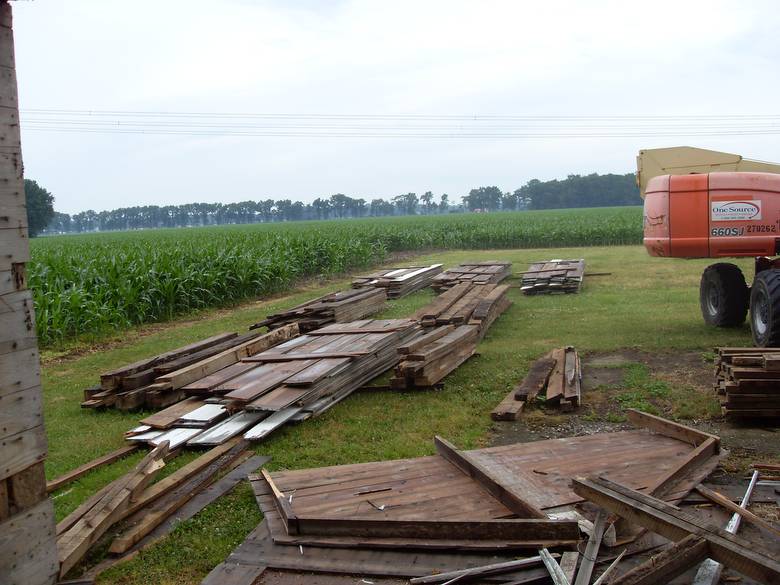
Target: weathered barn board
[(28, 554)]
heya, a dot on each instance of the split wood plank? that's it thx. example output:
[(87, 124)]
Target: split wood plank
[(741, 555), (73, 544), (668, 564), (82, 470), (158, 510), (478, 572), (535, 380), (486, 479), (592, 549), (722, 500)]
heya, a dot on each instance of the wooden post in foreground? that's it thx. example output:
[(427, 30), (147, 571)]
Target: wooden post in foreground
[(28, 553)]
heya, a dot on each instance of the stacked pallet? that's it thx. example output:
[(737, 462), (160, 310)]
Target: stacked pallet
[(337, 307), (488, 272), (399, 282), (553, 276), (157, 382), (558, 374), (295, 380), (748, 381)]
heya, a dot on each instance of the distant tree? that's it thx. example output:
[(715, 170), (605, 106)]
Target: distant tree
[(484, 198), (592, 190), (445, 204), (509, 201), (427, 201), (406, 203), (40, 207)]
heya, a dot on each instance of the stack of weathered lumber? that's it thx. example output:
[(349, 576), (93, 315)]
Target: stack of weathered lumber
[(157, 382), (293, 381), (490, 271), (553, 276), (558, 374), (459, 318), (426, 360), (337, 307), (467, 515), (399, 282), (748, 381), (466, 303)]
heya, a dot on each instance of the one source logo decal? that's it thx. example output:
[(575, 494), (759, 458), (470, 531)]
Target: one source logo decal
[(736, 210)]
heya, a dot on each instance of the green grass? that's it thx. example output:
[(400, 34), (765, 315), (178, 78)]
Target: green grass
[(97, 283), (646, 303)]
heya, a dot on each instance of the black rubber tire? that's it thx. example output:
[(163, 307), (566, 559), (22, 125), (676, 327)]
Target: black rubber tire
[(765, 308), (724, 295)]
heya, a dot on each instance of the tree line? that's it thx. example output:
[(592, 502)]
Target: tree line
[(592, 190)]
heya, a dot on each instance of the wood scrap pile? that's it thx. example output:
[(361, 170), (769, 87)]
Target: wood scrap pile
[(399, 282), (488, 272), (156, 382), (558, 374), (748, 381), (465, 514), (140, 509), (293, 381), (337, 307), (553, 276)]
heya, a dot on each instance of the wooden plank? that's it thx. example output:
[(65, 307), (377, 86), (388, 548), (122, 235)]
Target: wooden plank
[(157, 511), (285, 357), (508, 409), (555, 383), (20, 451), (721, 500), (25, 541), (668, 564), (569, 565), (424, 340), (463, 575), (553, 568), (591, 550), (668, 521), (164, 419), (536, 379), (283, 507), (73, 544), (561, 532), (670, 429), (82, 470), (210, 365), (694, 459), (19, 412), (486, 480)]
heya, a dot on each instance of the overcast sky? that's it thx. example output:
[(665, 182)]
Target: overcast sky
[(398, 78)]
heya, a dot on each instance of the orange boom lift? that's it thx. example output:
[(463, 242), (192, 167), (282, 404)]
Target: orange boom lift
[(707, 204)]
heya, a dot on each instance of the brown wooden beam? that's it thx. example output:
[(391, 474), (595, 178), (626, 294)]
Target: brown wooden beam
[(669, 521), (668, 564), (484, 478)]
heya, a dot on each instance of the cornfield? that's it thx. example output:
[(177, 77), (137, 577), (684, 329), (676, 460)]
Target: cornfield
[(89, 284)]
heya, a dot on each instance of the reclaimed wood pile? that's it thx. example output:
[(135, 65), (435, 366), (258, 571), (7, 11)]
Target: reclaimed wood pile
[(337, 307), (139, 512), (466, 514), (295, 380), (157, 382), (399, 282), (553, 276), (466, 303), (748, 381), (453, 322), (558, 375), (488, 272)]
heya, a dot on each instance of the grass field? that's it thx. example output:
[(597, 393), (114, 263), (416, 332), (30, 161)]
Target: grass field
[(97, 283), (645, 304)]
